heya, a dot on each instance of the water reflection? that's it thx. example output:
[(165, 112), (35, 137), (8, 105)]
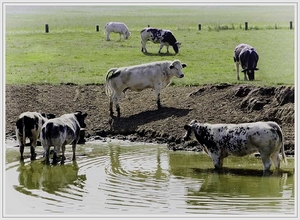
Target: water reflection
[(37, 175)]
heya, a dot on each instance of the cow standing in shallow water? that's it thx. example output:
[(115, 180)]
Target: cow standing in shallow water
[(163, 37), (220, 140), (59, 132), (29, 125), (117, 27), (156, 75), (246, 56)]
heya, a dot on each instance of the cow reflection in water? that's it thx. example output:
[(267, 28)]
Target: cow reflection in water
[(36, 175)]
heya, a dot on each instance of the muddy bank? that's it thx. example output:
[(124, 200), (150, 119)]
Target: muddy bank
[(141, 121)]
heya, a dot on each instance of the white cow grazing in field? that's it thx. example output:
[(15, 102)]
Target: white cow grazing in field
[(219, 140), (156, 75), (117, 27)]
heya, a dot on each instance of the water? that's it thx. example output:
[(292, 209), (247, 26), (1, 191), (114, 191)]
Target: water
[(126, 179)]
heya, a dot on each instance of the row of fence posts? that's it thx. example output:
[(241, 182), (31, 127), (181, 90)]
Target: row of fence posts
[(199, 27), (246, 26)]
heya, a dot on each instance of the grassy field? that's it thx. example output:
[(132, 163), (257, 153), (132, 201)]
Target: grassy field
[(73, 52)]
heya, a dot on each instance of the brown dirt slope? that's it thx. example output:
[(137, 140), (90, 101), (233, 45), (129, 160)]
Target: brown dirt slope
[(141, 121)]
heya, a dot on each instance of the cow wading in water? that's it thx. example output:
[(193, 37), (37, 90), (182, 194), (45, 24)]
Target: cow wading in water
[(59, 132), (246, 56), (156, 75), (29, 125), (220, 140), (163, 37)]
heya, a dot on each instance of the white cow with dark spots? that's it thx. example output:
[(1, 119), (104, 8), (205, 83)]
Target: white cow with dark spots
[(161, 36), (156, 75), (117, 27), (59, 132), (220, 140)]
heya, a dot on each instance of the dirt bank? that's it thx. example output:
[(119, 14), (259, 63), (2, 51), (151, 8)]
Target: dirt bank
[(141, 121)]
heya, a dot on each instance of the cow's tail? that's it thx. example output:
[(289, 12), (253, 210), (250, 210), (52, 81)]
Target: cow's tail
[(107, 84), (279, 132)]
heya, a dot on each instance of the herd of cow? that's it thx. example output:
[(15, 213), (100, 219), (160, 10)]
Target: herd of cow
[(218, 140)]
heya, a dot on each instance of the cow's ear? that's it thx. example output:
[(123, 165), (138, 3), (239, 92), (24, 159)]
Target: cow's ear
[(85, 114), (187, 127), (171, 67), (183, 65)]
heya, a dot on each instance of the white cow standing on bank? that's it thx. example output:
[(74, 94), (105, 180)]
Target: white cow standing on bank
[(156, 75), (117, 27)]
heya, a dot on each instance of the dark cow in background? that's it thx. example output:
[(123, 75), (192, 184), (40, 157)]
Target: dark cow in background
[(156, 75), (29, 125), (246, 56), (164, 37), (59, 132), (220, 140)]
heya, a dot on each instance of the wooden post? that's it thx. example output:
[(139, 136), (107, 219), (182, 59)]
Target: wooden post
[(291, 25), (199, 27), (46, 28), (246, 25), (97, 28)]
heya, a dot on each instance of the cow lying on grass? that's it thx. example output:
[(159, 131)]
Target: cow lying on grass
[(246, 56), (220, 140), (156, 75), (117, 27), (29, 125), (59, 132)]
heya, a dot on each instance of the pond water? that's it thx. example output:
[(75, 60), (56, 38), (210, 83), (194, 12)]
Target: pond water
[(124, 179)]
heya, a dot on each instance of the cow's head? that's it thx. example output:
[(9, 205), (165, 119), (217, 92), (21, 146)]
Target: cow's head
[(176, 66), (189, 130), (127, 34), (80, 118), (176, 47)]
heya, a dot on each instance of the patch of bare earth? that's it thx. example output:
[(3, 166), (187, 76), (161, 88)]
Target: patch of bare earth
[(141, 121)]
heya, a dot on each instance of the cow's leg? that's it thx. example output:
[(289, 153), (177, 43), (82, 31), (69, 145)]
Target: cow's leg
[(245, 75), (63, 149), (47, 152), (276, 160), (111, 104), (160, 47), (21, 146), (74, 151), (157, 89), (266, 162), (55, 154), (237, 70), (144, 46), (107, 36), (167, 48), (116, 98), (32, 148), (217, 160)]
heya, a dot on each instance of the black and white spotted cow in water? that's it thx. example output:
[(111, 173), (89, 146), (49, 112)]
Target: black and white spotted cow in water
[(156, 75), (163, 37), (29, 125), (117, 27), (59, 132), (220, 140), (246, 56)]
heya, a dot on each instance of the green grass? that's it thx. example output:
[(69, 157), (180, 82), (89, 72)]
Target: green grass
[(73, 52)]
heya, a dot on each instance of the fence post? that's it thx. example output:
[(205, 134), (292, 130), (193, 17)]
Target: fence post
[(246, 25), (199, 27), (97, 28), (291, 25), (46, 28)]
